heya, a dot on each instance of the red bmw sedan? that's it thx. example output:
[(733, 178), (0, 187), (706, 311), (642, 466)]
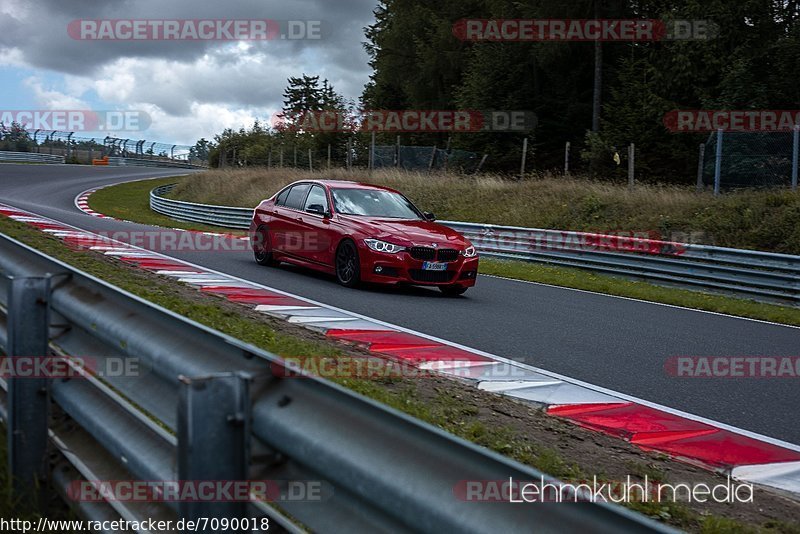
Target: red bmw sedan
[(361, 233)]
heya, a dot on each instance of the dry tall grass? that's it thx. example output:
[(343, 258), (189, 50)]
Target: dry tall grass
[(765, 220)]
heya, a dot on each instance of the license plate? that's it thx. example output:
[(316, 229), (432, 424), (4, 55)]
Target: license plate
[(433, 266)]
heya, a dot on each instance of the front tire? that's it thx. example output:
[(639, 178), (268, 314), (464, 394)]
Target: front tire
[(453, 291), (348, 267), (262, 248)]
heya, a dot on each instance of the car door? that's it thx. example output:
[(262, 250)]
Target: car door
[(319, 231), (286, 227)]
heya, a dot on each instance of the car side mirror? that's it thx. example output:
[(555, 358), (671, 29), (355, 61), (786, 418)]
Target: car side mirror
[(429, 216), (319, 209)]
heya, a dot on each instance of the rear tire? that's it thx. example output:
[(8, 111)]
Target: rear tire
[(348, 266), (453, 291), (262, 248)]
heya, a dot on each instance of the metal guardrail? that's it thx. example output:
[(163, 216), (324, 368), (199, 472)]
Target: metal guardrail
[(203, 406), (753, 274), (30, 157), (140, 162), (225, 216)]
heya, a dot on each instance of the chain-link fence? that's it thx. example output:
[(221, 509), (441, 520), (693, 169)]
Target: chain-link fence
[(750, 159), (411, 158), (84, 150), (420, 158)]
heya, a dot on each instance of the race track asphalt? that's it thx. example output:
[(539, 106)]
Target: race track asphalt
[(615, 343)]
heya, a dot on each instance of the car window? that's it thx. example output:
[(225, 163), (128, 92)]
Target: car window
[(281, 199), (297, 196), (373, 203), (317, 196)]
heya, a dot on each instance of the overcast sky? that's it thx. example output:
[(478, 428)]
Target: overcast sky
[(191, 89)]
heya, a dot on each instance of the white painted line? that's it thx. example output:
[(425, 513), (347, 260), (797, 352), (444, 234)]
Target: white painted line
[(501, 387), (675, 306), (785, 476), (303, 320), (265, 308)]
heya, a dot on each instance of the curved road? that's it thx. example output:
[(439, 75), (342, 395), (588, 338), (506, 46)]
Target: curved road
[(611, 342)]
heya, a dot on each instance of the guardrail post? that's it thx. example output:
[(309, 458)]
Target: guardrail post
[(213, 439), (28, 399)]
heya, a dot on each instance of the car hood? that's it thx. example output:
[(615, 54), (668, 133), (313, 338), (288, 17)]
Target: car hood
[(409, 232)]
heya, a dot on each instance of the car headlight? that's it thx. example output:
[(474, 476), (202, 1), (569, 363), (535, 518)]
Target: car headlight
[(383, 246), (470, 252)]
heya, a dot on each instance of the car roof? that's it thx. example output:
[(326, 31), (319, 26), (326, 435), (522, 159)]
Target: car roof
[(346, 184)]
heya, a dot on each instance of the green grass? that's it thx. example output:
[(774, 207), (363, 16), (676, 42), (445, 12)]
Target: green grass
[(131, 202), (610, 285)]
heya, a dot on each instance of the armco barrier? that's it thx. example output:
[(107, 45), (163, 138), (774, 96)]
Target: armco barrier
[(203, 406), (30, 157), (139, 162), (753, 274)]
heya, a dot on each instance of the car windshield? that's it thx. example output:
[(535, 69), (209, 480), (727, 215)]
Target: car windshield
[(373, 203)]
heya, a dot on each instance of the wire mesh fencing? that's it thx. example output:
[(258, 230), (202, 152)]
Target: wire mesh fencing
[(77, 149), (750, 160)]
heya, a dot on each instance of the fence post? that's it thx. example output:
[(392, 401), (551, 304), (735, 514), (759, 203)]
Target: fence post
[(28, 398), (372, 152), (397, 153), (718, 169), (447, 155), (701, 163), (310, 162), (349, 159), (566, 159), (295, 156), (631, 166), (433, 159), (480, 165), (524, 158), (213, 439), (329, 157), (795, 156)]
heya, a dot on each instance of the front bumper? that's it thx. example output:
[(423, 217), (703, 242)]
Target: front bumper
[(401, 268)]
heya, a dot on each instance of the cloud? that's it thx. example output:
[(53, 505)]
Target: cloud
[(51, 98), (188, 85)]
